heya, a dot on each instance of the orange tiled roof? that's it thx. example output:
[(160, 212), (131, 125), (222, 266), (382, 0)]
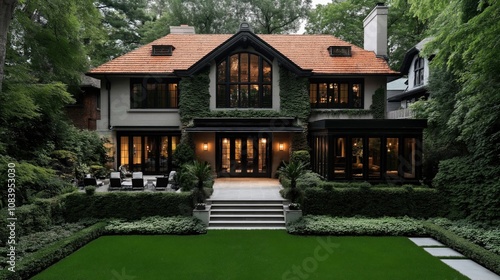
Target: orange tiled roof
[(307, 51)]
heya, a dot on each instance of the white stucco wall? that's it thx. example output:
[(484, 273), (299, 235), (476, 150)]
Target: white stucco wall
[(122, 115)]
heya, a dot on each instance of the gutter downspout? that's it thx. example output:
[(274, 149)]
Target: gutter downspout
[(108, 88)]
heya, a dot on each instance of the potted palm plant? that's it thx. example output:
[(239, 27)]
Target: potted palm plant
[(293, 171), (200, 172)]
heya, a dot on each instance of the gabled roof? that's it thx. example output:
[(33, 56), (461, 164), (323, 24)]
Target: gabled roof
[(306, 53), (410, 54)]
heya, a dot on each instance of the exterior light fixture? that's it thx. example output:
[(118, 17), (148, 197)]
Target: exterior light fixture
[(205, 146), (281, 146)]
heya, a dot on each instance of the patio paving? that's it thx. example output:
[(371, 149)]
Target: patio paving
[(246, 189)]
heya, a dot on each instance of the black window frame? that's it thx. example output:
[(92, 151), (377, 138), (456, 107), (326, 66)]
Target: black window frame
[(144, 103), (330, 94), (418, 71), (223, 99)]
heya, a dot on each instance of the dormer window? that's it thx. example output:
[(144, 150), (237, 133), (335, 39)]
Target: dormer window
[(419, 72), (339, 51), (162, 50)]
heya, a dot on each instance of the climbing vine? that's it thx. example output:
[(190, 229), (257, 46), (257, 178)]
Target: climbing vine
[(194, 100), (378, 104), (294, 96)]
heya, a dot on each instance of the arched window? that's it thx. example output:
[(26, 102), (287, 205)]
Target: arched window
[(244, 80), (419, 72)]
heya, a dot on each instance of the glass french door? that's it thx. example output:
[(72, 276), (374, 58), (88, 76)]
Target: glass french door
[(243, 156)]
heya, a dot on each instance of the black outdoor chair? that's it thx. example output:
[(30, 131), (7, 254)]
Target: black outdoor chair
[(161, 183)]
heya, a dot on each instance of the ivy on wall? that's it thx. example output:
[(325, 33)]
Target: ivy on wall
[(294, 102), (344, 112), (294, 96), (378, 104), (194, 100)]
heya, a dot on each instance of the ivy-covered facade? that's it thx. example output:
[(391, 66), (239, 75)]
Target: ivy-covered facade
[(244, 102)]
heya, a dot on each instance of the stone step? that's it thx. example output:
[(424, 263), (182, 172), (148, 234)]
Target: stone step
[(260, 211), (246, 224), (246, 201), (277, 218), (246, 206)]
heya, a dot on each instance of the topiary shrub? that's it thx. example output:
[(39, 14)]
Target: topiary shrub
[(184, 153), (90, 190), (303, 156)]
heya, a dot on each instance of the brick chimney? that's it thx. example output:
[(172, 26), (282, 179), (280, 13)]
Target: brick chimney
[(375, 27), (183, 29)]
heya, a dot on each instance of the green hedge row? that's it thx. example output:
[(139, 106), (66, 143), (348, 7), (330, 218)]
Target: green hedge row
[(374, 202), (326, 225), (124, 205), (475, 252), (34, 263), (158, 225)]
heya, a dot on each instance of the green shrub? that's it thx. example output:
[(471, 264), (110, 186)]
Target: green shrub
[(301, 155), (307, 180), (90, 190), (326, 225), (374, 202), (158, 225), (183, 154), (483, 235), (124, 205), (475, 252), (472, 187), (32, 264)]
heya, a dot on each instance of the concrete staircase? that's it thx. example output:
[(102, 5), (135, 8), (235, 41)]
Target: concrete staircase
[(246, 214)]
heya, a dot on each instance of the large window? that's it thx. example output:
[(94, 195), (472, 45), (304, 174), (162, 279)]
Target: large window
[(151, 93), (244, 80), (336, 94), (419, 72)]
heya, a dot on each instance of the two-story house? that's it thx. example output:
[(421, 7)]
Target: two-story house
[(248, 100), (416, 68)]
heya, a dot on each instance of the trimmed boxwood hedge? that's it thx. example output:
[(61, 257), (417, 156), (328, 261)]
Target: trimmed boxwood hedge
[(124, 205), (32, 264), (475, 252), (374, 202)]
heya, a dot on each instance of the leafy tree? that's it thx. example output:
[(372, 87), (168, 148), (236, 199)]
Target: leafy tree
[(344, 19), (278, 16), (465, 44), (7, 8)]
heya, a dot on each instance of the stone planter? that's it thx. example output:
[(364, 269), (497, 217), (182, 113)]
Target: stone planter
[(203, 215), (292, 215)]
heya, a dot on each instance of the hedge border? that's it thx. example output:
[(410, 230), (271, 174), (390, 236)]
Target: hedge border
[(472, 251), (33, 264)]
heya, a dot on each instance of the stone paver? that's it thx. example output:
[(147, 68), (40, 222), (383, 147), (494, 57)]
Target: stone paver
[(246, 189), (425, 241), (471, 269), (467, 267), (443, 252)]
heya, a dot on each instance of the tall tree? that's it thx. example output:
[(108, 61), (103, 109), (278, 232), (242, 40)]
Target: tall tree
[(278, 16), (6, 13), (344, 19), (465, 44)]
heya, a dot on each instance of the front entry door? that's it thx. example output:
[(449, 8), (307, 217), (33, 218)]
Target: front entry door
[(243, 156)]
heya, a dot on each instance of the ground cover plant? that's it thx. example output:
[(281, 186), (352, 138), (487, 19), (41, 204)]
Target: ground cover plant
[(158, 225), (327, 225), (249, 255)]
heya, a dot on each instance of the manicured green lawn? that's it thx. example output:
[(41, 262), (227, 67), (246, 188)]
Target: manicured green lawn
[(249, 255)]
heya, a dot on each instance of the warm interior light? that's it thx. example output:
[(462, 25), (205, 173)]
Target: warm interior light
[(205, 146), (281, 146), (263, 140)]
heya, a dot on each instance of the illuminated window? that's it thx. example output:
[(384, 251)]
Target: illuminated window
[(151, 93), (244, 80), (336, 94)]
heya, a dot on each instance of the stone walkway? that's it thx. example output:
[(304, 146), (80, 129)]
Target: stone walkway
[(454, 259)]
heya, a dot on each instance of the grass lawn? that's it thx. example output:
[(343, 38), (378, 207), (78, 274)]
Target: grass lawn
[(249, 255)]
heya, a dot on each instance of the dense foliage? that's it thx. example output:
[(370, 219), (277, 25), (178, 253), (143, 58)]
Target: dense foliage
[(123, 205), (325, 225), (483, 235), (158, 225), (464, 118), (374, 202)]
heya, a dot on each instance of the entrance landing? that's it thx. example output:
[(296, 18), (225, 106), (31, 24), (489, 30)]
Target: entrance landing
[(246, 189)]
